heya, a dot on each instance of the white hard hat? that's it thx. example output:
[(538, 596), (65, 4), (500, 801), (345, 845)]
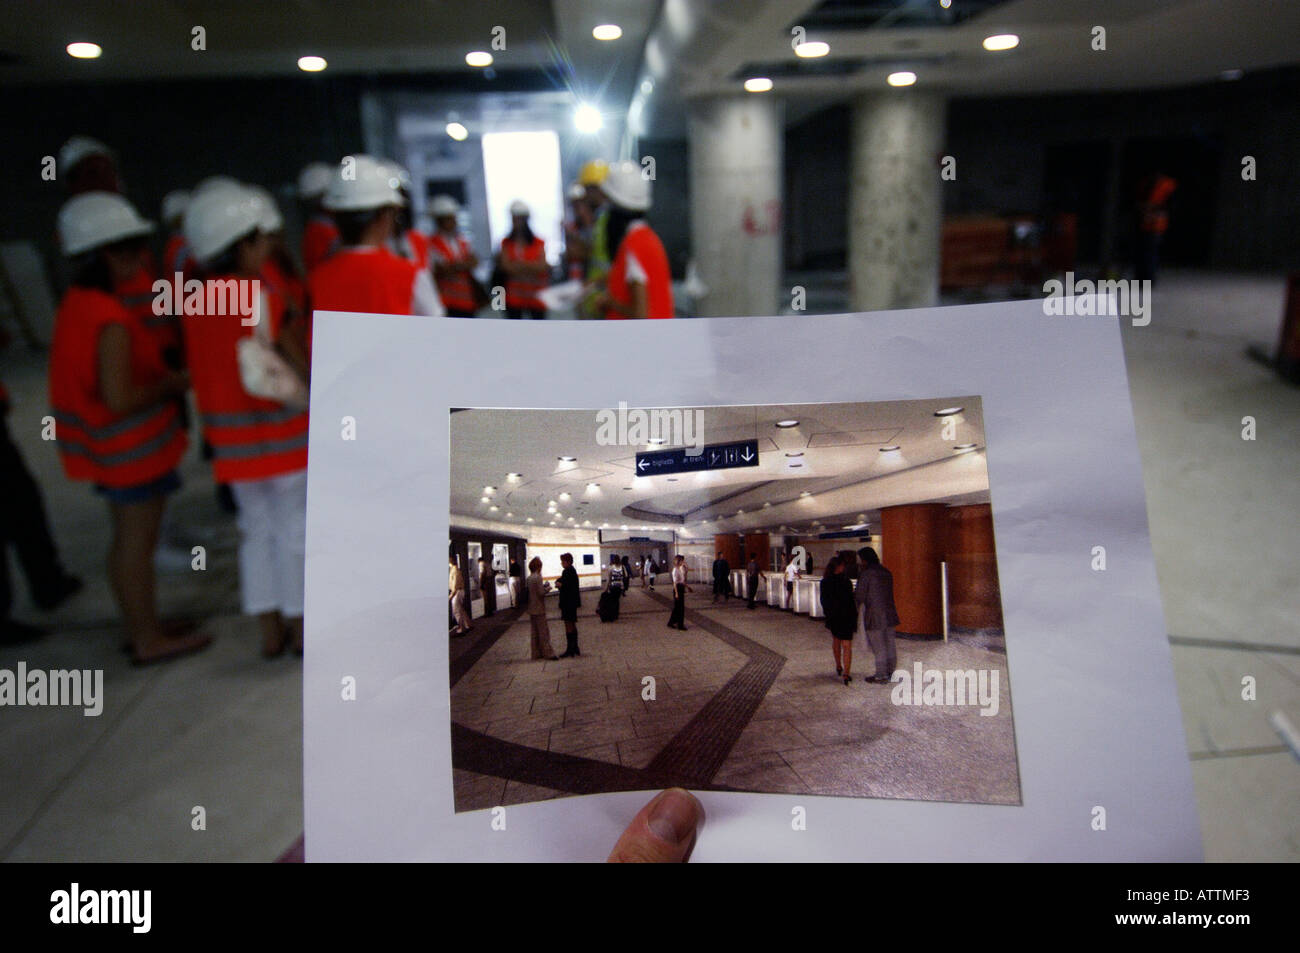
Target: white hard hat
[(94, 219), (219, 216), (518, 207), (360, 183), (81, 147), (174, 204), (272, 220), (400, 173), (314, 179), (627, 186), (443, 205), (213, 182)]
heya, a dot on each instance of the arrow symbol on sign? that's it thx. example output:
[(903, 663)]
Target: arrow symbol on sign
[(713, 458), (747, 456), (643, 464)]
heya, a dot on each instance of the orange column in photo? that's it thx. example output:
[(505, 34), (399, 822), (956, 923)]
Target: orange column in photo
[(913, 542), (974, 598)]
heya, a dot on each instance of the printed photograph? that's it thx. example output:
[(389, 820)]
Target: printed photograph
[(793, 599)]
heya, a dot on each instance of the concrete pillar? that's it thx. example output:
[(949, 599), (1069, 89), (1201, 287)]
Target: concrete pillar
[(912, 543), (737, 146), (895, 211)]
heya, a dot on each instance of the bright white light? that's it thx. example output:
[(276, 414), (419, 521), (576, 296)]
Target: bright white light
[(478, 58), (607, 31), (945, 3), (1001, 41), (457, 131), (526, 166), (812, 48), (586, 118), (901, 78), (758, 84), (311, 64), (647, 86), (85, 51)]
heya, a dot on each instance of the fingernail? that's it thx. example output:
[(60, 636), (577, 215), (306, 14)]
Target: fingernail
[(673, 816)]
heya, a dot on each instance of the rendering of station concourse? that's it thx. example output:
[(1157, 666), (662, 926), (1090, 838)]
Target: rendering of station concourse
[(799, 576), (641, 615)]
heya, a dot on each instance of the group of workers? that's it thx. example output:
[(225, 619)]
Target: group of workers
[(228, 317)]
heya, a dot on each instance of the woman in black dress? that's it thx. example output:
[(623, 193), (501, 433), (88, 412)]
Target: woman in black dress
[(841, 615)]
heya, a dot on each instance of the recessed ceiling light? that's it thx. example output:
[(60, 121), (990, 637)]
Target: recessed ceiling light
[(485, 500), (1001, 41), (623, 527), (493, 508), (647, 86), (85, 51), (478, 58), (550, 502), (964, 448), (758, 84), (457, 131), (567, 459), (890, 449), (786, 424), (489, 489), (552, 522), (513, 477), (510, 514), (812, 48), (607, 31), (311, 64), (672, 479), (528, 519), (805, 493), (767, 504), (945, 3), (796, 453), (948, 411), (903, 77), (740, 512), (566, 496), (593, 486)]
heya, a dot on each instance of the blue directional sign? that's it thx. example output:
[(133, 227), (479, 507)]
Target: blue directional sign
[(717, 456)]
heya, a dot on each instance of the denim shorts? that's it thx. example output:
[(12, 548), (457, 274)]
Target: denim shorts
[(169, 482)]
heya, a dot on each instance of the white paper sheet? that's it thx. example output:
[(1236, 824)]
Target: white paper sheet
[(1096, 714)]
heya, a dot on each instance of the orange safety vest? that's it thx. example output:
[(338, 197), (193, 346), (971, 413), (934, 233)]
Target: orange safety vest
[(642, 242), (137, 296), (371, 280), (251, 438), (417, 244), (177, 257), (1154, 213), (456, 291), (522, 292), (94, 443), (320, 239)]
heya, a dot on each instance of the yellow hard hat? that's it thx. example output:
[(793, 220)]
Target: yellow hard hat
[(593, 172)]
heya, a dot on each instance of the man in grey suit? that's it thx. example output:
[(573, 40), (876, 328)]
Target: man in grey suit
[(875, 594)]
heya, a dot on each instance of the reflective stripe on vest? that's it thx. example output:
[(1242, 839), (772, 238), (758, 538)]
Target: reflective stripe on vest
[(252, 418), (261, 448), (139, 452)]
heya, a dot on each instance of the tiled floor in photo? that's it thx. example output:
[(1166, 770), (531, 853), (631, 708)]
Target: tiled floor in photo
[(743, 700)]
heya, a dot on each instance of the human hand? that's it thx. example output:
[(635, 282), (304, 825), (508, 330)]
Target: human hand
[(663, 832)]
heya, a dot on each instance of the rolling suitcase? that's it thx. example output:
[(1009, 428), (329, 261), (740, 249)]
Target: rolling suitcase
[(607, 608)]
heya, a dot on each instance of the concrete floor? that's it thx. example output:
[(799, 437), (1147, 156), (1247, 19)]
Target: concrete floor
[(223, 730)]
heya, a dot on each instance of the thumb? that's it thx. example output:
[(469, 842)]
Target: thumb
[(663, 832)]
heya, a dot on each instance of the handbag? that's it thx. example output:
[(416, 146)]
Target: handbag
[(262, 371)]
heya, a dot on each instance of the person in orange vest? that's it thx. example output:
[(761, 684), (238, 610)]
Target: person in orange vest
[(1153, 222), (281, 275), (408, 241), (364, 275), (320, 236), (523, 259), (116, 409), (453, 258), (259, 445), (176, 254), (639, 284)]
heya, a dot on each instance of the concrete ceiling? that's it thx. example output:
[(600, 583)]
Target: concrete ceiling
[(709, 48), (833, 456)]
